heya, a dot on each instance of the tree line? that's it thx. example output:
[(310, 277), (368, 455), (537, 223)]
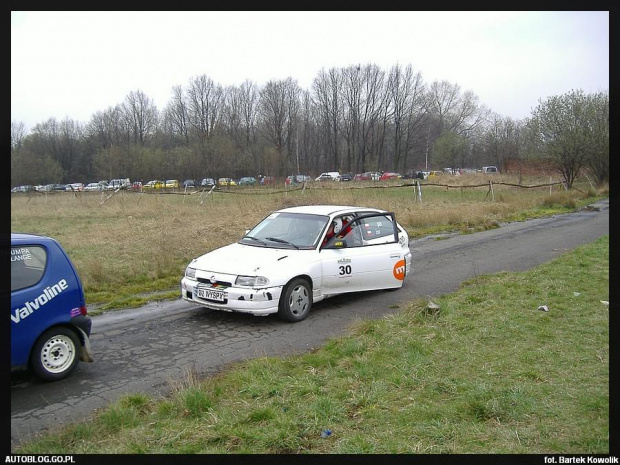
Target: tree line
[(353, 119)]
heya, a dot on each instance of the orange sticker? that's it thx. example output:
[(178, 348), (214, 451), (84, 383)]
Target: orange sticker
[(399, 270)]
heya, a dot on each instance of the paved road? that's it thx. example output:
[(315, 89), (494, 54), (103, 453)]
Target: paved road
[(142, 350)]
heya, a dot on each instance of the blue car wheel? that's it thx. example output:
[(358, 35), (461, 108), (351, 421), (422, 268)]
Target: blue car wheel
[(56, 354)]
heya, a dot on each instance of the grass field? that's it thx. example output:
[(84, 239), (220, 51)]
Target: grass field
[(130, 248), (488, 373)]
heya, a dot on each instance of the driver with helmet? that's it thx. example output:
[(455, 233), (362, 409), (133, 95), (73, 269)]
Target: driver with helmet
[(339, 226)]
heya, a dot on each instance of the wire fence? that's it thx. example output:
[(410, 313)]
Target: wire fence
[(416, 185)]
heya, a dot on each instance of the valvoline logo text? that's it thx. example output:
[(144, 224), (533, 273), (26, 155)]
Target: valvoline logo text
[(30, 306)]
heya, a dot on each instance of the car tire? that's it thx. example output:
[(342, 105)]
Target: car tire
[(55, 354), (295, 301)]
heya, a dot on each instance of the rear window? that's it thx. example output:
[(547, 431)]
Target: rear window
[(27, 266), (376, 227)]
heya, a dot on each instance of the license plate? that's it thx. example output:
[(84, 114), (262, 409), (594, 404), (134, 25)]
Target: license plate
[(210, 294)]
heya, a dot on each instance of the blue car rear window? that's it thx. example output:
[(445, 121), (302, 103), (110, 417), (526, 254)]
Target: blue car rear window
[(27, 266)]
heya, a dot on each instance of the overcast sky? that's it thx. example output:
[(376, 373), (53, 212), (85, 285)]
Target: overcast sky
[(73, 64)]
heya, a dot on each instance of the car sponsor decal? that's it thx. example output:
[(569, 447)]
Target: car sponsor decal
[(20, 254), (30, 306), (75, 312), (399, 270)]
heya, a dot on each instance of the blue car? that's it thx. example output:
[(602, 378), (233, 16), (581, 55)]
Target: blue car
[(50, 326)]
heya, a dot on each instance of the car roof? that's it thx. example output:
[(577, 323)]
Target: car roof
[(25, 238), (326, 209)]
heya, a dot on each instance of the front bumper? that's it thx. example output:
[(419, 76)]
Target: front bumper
[(258, 302)]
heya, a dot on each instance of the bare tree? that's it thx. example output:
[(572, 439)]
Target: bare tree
[(365, 107), (204, 107), (278, 108), (139, 115), (406, 91), (328, 103), (18, 132), (443, 99), (177, 115), (73, 158)]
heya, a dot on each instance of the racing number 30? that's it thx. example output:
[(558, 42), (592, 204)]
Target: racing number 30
[(345, 269)]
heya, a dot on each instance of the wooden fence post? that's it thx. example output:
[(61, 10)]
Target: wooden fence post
[(201, 199)]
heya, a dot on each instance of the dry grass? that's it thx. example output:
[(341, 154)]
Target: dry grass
[(136, 243)]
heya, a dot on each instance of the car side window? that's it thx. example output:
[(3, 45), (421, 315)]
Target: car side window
[(377, 227), (367, 231), (27, 266)]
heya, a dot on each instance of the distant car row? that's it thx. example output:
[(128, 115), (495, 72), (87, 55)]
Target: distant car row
[(76, 186), (366, 176), (292, 180)]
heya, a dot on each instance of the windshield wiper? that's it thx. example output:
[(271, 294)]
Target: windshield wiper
[(254, 238), (282, 241)]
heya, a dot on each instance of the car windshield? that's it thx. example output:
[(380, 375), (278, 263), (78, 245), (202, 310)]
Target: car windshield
[(287, 230)]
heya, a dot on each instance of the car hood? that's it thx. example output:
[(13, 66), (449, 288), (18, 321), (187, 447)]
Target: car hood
[(240, 259)]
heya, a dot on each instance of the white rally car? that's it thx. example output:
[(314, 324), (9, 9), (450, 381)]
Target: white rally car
[(300, 255)]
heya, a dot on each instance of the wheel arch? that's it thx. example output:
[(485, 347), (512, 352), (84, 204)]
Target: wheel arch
[(303, 276)]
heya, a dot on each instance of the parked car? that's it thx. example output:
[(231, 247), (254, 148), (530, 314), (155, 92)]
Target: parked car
[(389, 175), (490, 170), (248, 181), (328, 176), (121, 183), (345, 177), (171, 184), (155, 184), (50, 326), (207, 182), (301, 255), (24, 188), (189, 184), (226, 182), (137, 186), (75, 187), (434, 174), (367, 176), (93, 186)]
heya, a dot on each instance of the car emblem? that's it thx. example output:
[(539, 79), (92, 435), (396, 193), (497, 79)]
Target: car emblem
[(212, 279)]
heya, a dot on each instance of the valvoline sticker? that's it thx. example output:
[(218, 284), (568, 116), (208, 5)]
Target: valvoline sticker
[(399, 270)]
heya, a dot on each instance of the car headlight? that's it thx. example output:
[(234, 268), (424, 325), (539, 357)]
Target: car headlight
[(251, 281), (190, 272)]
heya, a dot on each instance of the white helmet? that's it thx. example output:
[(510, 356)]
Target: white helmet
[(337, 225)]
